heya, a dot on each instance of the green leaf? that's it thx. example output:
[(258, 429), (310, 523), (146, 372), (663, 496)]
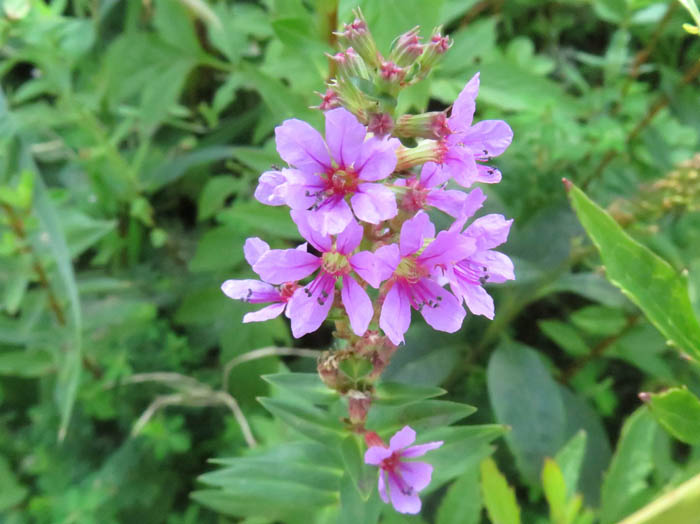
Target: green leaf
[(525, 397), (363, 475), (679, 505), (252, 217), (306, 419), (625, 487), (678, 411), (569, 458), (219, 248), (462, 502), (499, 497), (599, 320), (307, 386), (649, 281), (11, 491), (398, 393), (169, 171), (419, 415), (25, 363), (554, 490), (215, 192), (354, 508), (565, 336)]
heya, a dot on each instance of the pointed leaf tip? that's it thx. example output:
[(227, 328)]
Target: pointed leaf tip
[(567, 184), (644, 396)]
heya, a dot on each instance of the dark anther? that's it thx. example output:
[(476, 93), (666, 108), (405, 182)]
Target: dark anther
[(324, 294), (439, 298), (250, 293), (320, 301), (308, 293)]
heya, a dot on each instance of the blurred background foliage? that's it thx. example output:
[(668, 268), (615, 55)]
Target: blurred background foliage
[(132, 133)]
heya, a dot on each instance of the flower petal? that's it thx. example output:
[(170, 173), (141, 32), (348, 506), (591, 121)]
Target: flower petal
[(307, 312), (414, 231), (381, 487), (374, 203), (402, 438), (448, 248), (375, 454), (499, 267), (366, 265), (344, 136), (478, 300), (487, 174), (431, 175), (461, 166), (278, 266), (396, 314), (331, 217), (407, 502), (489, 231), (475, 199), (266, 313), (271, 188), (357, 305), (464, 107), (320, 242), (243, 289), (254, 248), (421, 449), (487, 138), (301, 146), (448, 201), (449, 313), (416, 474), (350, 238), (377, 159), (388, 258)]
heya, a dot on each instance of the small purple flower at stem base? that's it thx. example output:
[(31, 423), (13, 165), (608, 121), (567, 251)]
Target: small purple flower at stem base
[(399, 480)]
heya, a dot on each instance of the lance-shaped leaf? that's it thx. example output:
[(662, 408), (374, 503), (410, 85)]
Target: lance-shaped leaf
[(677, 410), (648, 280)]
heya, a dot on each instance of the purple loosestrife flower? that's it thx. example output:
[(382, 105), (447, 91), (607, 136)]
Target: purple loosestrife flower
[(310, 304), (325, 174), (403, 479), (409, 266), (428, 190), (468, 276), (258, 292), (467, 146)]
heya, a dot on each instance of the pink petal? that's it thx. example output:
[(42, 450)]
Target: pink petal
[(465, 105), (357, 305), (421, 449), (416, 474), (350, 238), (254, 248), (487, 174), (478, 300), (370, 268), (242, 289), (306, 312), (388, 259), (301, 146), (375, 454), (431, 175), (461, 166), (377, 159), (266, 313), (374, 203), (449, 313), (381, 487), (331, 217), (448, 201), (271, 188), (448, 248), (475, 199), (396, 314), (302, 189), (344, 136), (414, 231), (402, 438), (278, 266), (320, 242), (499, 266), (488, 138), (489, 231), (403, 502)]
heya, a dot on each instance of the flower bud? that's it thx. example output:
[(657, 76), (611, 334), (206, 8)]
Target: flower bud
[(358, 406), (434, 51), (407, 48), (426, 125), (390, 73), (357, 35), (380, 124), (425, 151), (329, 100), (353, 99), (350, 64)]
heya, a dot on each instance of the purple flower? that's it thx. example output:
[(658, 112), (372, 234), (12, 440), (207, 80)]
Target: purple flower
[(468, 146), (403, 479), (256, 291), (428, 190), (310, 304), (409, 267), (327, 173), (468, 276)]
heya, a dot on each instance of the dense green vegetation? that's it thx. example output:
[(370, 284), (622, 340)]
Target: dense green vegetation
[(132, 134)]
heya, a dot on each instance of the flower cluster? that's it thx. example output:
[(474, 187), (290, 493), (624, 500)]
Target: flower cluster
[(362, 200)]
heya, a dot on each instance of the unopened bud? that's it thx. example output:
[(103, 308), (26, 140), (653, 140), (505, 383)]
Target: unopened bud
[(434, 51), (358, 407), (329, 100), (425, 151), (426, 125), (380, 124), (353, 99), (357, 35), (407, 48), (390, 73), (350, 64), (372, 439)]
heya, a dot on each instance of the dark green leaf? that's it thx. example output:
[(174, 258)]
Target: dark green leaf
[(678, 411)]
